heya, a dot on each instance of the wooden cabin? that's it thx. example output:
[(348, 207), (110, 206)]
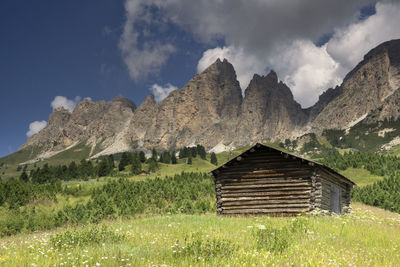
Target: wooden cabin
[(264, 180)]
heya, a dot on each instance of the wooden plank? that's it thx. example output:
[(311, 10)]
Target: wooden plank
[(266, 181), (226, 199), (241, 186), (255, 211), (267, 189), (269, 193), (305, 201), (267, 206)]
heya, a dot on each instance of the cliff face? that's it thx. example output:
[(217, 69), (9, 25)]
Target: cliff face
[(92, 122), (364, 89), (268, 111), (210, 110), (195, 113)]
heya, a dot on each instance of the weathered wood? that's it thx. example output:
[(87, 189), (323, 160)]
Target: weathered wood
[(267, 206), (267, 189), (265, 193), (264, 181), (266, 202), (266, 185), (267, 181), (304, 196), (277, 210)]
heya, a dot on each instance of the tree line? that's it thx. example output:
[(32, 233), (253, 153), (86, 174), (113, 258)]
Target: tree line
[(182, 193)]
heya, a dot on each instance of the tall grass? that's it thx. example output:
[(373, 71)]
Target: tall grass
[(365, 237)]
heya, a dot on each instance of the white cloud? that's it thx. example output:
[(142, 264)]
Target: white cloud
[(350, 44), (307, 69), (261, 35), (161, 92), (35, 127), (69, 104)]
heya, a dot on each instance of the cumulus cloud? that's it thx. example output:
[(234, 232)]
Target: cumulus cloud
[(262, 35), (350, 44), (35, 127), (69, 104), (161, 92)]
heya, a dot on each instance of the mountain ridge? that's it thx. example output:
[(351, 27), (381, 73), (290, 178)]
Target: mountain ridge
[(210, 109)]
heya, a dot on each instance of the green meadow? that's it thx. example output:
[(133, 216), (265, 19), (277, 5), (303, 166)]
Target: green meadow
[(167, 218), (365, 237)]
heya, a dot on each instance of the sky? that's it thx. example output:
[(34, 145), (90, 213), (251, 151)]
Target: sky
[(56, 53)]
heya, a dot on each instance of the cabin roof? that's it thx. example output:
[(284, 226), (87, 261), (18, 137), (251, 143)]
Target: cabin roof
[(257, 146)]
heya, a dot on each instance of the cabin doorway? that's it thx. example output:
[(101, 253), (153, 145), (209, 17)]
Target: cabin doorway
[(335, 199)]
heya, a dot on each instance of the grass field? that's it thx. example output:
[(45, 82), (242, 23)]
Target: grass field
[(365, 237), (361, 177)]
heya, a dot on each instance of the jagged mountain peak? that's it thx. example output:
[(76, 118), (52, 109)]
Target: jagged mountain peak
[(220, 70), (268, 84), (210, 109), (124, 101)]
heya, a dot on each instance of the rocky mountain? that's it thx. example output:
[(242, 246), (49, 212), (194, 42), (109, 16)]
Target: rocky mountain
[(91, 122), (210, 110), (268, 111), (364, 89)]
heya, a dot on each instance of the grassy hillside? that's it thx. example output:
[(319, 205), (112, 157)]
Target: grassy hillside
[(360, 176), (365, 237)]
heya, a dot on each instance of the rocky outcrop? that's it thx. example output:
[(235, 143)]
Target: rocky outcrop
[(364, 88), (92, 122), (324, 99), (268, 111), (197, 112)]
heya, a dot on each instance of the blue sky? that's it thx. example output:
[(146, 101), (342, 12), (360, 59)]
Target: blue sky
[(67, 48), (74, 48)]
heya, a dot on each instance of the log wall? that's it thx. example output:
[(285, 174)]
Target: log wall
[(264, 182), (327, 180)]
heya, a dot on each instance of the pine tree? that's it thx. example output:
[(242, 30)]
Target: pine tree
[(24, 177), (173, 158), (142, 156), (111, 161), (73, 170), (104, 168), (193, 152), (189, 161), (214, 159), (201, 151), (154, 154), (125, 161), (136, 165), (165, 157)]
